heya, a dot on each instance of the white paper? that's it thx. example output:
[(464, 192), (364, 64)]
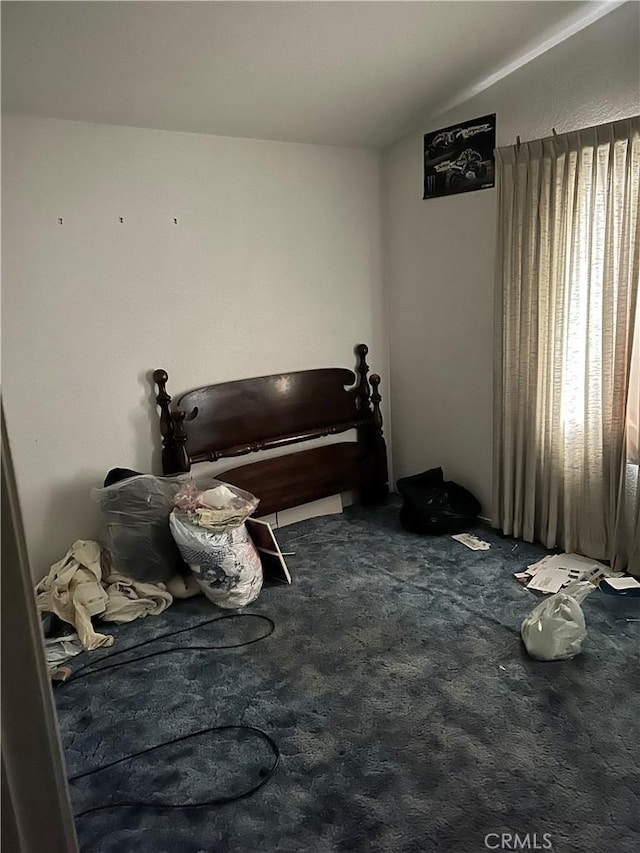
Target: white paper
[(535, 567), (576, 561), (591, 574), (549, 579), (623, 583), (578, 567), (325, 506), (471, 541)]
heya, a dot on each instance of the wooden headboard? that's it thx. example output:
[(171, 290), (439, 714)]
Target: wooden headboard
[(250, 415)]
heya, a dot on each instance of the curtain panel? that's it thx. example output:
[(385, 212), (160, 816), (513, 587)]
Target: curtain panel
[(565, 393)]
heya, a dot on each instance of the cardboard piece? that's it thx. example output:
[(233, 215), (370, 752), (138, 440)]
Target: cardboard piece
[(272, 558)]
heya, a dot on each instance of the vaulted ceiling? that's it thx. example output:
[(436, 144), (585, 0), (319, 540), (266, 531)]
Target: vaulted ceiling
[(339, 73)]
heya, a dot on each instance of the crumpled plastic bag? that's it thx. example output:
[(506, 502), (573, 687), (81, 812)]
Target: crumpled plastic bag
[(215, 505), (57, 650), (135, 512), (555, 629)]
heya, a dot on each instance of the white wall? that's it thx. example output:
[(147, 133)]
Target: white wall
[(274, 265), (439, 254)]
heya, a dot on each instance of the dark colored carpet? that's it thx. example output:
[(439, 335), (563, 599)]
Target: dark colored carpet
[(408, 715)]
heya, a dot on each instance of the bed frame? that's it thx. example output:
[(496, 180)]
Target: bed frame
[(251, 415)]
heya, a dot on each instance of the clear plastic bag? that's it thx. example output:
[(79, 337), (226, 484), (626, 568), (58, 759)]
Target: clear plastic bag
[(136, 533), (214, 505), (225, 564), (555, 629)]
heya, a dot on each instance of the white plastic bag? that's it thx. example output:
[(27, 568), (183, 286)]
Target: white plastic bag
[(226, 564), (555, 628)]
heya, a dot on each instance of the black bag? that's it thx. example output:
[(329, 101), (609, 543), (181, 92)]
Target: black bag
[(435, 506)]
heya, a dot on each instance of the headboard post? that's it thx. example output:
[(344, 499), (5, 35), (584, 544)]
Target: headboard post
[(171, 440), (181, 457), (375, 486), (363, 391), (381, 474)]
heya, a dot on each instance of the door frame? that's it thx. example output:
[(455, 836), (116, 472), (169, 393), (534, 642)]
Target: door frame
[(36, 807)]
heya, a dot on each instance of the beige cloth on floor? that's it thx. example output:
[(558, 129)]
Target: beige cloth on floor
[(128, 599), (183, 586), (75, 591)]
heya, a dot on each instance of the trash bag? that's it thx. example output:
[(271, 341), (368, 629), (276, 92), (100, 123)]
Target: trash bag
[(555, 628), (226, 564), (434, 506), (207, 524), (135, 510)]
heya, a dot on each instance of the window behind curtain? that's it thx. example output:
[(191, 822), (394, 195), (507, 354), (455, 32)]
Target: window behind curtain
[(566, 391)]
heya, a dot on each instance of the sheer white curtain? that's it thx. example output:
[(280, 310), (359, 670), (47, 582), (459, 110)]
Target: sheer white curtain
[(568, 262), (633, 403)]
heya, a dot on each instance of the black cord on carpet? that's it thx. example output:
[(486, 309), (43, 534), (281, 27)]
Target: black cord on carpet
[(75, 676), (265, 775)]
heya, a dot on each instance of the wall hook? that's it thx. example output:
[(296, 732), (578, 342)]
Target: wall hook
[(59, 220), (175, 220), (121, 219)]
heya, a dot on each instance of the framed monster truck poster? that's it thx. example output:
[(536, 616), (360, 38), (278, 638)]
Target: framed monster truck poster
[(460, 158)]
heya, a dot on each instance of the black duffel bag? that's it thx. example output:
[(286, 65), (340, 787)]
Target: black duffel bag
[(435, 506)]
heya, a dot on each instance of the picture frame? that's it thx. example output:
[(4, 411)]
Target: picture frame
[(460, 158)]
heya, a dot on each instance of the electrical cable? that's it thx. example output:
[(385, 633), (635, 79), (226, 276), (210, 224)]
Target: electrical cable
[(265, 774), (75, 676)]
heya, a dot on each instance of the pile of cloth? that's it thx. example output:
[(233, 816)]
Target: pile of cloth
[(142, 516), (82, 586)]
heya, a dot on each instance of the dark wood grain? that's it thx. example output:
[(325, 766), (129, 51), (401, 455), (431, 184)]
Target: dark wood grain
[(242, 412), (160, 377), (233, 419), (298, 478)]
